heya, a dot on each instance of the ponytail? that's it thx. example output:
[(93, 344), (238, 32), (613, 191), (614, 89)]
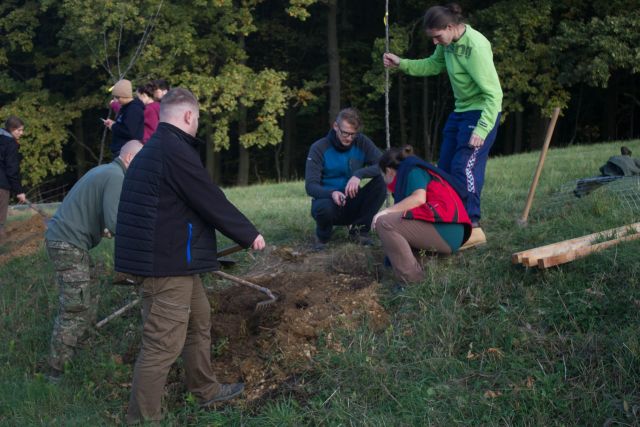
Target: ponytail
[(438, 17), (394, 156)]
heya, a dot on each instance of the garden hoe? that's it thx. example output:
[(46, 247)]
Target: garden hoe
[(134, 280), (262, 305)]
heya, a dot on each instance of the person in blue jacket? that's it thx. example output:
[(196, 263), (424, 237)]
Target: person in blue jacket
[(336, 164)]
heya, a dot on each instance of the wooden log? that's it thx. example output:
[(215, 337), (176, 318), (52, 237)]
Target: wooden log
[(583, 252), (530, 257)]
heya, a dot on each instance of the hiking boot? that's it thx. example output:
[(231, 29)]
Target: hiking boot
[(361, 238), (477, 238), (319, 244), (227, 392)]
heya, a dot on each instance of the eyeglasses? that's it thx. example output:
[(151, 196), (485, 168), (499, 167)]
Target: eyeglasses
[(346, 134)]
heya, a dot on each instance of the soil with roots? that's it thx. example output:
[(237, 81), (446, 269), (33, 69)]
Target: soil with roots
[(318, 293)]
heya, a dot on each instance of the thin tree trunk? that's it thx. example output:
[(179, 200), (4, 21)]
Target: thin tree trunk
[(81, 158), (334, 60), (243, 158), (288, 141), (401, 112), (517, 145), (426, 121), (612, 110), (212, 157), (413, 113)]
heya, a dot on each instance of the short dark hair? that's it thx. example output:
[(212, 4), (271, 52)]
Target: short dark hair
[(438, 17), (147, 89), (13, 123), (394, 156), (351, 116), (161, 84), (176, 97)]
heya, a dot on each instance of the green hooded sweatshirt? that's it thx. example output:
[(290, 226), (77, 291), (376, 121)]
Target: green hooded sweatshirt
[(475, 83)]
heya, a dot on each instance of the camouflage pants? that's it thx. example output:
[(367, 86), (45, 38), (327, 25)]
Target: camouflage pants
[(77, 303)]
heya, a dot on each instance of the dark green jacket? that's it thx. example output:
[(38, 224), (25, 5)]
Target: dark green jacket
[(621, 166), (89, 208)]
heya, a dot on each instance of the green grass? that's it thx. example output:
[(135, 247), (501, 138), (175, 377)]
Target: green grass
[(479, 342)]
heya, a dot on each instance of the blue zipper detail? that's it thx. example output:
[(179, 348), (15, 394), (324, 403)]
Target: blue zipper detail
[(190, 231)]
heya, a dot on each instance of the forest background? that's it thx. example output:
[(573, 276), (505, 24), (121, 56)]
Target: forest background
[(271, 75)]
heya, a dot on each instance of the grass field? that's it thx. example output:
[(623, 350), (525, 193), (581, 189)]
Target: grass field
[(480, 342)]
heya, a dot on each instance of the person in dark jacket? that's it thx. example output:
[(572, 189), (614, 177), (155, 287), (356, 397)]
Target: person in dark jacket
[(167, 219), (129, 122), (10, 168), (335, 166), (428, 213)]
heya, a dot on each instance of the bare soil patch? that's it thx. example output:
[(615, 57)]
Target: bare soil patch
[(318, 292), (24, 237)]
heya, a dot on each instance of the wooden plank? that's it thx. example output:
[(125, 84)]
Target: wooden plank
[(558, 248), (584, 251)]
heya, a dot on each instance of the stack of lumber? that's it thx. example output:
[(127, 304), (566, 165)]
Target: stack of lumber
[(570, 250)]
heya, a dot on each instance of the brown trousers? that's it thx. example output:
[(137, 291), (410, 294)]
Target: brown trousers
[(176, 318), (401, 236), (4, 206)]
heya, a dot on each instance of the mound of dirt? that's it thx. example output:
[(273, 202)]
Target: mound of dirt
[(24, 237), (266, 348)]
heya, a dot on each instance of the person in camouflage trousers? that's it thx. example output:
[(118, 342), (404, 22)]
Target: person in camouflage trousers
[(78, 300), (87, 214)]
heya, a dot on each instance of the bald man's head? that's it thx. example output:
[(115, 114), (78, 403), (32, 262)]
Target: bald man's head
[(129, 151), (180, 108)]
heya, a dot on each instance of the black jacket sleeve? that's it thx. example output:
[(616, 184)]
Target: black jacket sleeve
[(12, 168), (190, 179), (132, 124), (372, 156)]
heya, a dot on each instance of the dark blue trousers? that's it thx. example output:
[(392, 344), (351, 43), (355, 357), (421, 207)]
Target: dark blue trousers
[(466, 164), (357, 212)]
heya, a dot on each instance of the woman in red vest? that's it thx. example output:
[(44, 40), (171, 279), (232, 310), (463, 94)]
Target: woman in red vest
[(428, 213)]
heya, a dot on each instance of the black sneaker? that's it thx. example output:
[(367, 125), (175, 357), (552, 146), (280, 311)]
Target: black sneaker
[(361, 238), (227, 392)]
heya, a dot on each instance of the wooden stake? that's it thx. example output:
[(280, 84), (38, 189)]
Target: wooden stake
[(536, 177)]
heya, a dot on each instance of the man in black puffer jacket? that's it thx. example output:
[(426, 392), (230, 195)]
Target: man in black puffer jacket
[(168, 213)]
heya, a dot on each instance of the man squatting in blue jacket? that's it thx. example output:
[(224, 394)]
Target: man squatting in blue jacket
[(335, 166)]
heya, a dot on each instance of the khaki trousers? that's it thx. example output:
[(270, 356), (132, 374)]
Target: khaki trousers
[(176, 319), (4, 206), (400, 237)]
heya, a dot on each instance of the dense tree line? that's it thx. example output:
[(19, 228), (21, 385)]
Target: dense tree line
[(270, 74)]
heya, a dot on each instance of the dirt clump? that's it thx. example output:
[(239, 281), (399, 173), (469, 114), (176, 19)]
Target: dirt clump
[(266, 348), (24, 237)]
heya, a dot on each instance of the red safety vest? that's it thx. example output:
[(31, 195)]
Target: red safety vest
[(443, 204)]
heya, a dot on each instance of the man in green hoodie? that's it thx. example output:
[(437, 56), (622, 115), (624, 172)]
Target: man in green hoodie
[(465, 54), (86, 214)]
